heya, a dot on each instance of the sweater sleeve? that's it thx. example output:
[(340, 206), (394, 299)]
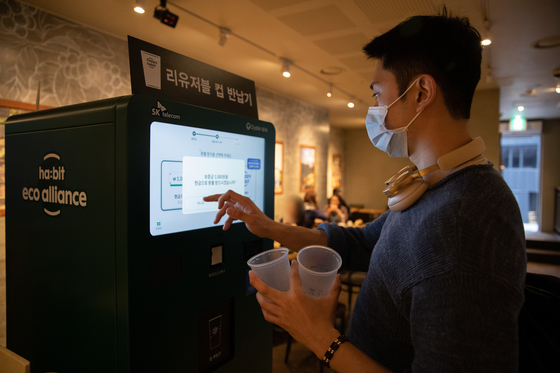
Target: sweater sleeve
[(354, 244), (464, 322)]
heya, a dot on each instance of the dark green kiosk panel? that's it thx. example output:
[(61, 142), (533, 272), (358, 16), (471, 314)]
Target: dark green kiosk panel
[(113, 263)]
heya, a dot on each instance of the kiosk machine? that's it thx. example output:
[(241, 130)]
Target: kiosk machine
[(114, 263)]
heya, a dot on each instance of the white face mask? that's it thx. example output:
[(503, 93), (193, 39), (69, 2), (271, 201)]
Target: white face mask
[(393, 142)]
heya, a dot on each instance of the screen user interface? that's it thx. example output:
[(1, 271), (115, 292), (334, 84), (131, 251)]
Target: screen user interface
[(189, 163)]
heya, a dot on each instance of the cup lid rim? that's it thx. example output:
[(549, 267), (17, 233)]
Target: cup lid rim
[(285, 250), (337, 255)]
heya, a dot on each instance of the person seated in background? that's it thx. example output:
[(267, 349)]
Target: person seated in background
[(313, 215), (337, 192), (335, 211), (294, 212)]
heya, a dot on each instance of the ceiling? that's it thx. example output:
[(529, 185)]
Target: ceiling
[(318, 34)]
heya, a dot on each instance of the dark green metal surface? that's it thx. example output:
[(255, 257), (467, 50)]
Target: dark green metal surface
[(81, 295)]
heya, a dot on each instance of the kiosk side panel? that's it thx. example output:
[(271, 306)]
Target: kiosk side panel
[(60, 247)]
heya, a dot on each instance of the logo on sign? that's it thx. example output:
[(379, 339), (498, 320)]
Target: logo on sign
[(161, 111), (252, 127), (152, 64), (51, 188)]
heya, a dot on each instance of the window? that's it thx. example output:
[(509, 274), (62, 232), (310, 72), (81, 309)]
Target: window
[(520, 159), (505, 156), (529, 156), (515, 157)]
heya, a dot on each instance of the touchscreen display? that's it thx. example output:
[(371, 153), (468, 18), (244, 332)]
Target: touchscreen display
[(188, 163)]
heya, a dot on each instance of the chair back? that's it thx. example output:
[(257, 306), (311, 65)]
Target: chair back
[(11, 362)]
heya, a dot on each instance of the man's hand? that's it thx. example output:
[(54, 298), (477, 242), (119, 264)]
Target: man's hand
[(310, 321), (239, 207)]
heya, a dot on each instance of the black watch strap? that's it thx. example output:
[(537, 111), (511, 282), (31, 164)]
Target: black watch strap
[(332, 349)]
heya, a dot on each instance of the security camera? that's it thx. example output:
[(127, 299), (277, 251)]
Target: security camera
[(556, 72)]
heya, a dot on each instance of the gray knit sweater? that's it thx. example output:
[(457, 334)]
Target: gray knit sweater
[(445, 278)]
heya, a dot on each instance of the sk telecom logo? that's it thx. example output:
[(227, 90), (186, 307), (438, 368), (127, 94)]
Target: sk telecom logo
[(51, 187), (161, 111)]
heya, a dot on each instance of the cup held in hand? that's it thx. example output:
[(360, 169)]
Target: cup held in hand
[(273, 268), (318, 266)]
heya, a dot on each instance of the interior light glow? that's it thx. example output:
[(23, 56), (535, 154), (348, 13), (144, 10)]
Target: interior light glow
[(486, 41), (350, 104), (139, 8), (286, 63), (520, 108)]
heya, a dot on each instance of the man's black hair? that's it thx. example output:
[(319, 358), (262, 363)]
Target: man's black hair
[(444, 46)]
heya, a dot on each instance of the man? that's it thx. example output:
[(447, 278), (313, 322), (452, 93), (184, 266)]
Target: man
[(446, 274)]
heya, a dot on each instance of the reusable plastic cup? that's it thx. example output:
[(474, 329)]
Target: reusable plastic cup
[(273, 268), (318, 266)]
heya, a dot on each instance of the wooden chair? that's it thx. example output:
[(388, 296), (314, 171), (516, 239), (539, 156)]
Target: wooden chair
[(12, 363)]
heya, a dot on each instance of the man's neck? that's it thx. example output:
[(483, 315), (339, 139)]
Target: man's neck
[(431, 145)]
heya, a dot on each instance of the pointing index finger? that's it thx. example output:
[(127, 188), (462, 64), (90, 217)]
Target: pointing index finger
[(229, 196), (212, 198)]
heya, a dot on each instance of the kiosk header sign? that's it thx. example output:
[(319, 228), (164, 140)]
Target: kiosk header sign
[(156, 71)]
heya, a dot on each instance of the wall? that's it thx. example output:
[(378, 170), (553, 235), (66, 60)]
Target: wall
[(367, 168), (550, 171), (297, 124), (484, 122), (336, 146), (73, 63)]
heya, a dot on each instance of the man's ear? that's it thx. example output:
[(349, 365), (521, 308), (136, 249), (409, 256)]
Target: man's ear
[(426, 91)]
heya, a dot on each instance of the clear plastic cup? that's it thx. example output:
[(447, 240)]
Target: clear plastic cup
[(318, 266), (273, 268)]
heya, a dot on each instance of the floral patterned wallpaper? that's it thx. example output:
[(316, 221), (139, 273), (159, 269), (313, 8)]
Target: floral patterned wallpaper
[(73, 63), (297, 123)]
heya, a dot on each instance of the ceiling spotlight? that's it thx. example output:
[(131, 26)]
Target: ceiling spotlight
[(140, 5), (329, 93), (350, 104), (486, 23), (164, 15), (224, 35), (286, 63), (558, 88), (520, 108)]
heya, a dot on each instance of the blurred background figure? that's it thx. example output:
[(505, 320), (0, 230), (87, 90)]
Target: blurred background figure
[(313, 215), (336, 212), (294, 212), (337, 192)]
